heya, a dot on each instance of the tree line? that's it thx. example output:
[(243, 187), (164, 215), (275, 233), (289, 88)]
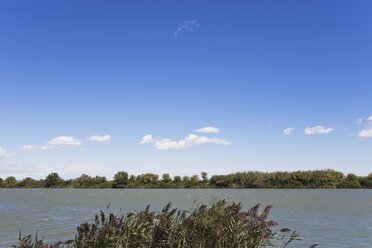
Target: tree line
[(252, 179)]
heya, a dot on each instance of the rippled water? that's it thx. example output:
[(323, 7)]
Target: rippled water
[(330, 218)]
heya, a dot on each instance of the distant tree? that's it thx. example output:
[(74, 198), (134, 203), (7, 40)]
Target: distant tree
[(132, 178), (120, 180), (204, 176), (10, 182), (177, 179), (149, 178), (194, 179), (1, 182), (27, 182), (99, 180), (352, 181), (83, 181), (186, 178), (52, 180), (166, 178)]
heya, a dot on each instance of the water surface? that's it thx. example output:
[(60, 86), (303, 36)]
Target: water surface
[(330, 218)]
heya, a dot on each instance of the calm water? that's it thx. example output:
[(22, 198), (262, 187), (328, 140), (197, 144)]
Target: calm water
[(330, 218)]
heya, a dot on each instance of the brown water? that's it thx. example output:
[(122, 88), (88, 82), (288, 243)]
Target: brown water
[(330, 218)]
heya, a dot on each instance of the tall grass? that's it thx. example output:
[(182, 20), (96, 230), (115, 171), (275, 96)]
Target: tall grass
[(217, 225)]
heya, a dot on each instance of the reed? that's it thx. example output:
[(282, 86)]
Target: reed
[(217, 225)]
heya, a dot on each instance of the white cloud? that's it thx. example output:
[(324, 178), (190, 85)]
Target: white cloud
[(64, 141), (189, 141), (147, 139), (100, 139), (288, 130), (208, 130), (317, 130), (359, 121), (186, 26), (370, 118), (366, 133), (27, 148), (5, 154)]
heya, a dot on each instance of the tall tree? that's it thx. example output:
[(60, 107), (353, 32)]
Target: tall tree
[(204, 176), (10, 182), (166, 178), (52, 180), (120, 180)]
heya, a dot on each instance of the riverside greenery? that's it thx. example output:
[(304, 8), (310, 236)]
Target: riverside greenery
[(218, 225), (297, 179)]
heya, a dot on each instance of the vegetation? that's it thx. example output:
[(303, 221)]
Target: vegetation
[(216, 226), (298, 179)]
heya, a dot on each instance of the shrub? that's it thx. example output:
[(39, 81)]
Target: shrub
[(218, 225)]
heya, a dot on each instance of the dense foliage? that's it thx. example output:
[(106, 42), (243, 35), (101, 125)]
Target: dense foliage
[(217, 226), (298, 179)]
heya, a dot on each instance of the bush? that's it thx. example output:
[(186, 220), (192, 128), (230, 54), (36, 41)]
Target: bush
[(218, 225)]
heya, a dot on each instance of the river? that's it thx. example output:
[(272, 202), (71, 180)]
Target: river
[(330, 218)]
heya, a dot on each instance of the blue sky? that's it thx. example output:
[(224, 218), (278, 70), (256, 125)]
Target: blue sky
[(245, 71)]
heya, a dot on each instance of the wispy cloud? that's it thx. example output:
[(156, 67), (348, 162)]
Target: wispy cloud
[(369, 118), (5, 154), (30, 148), (288, 130), (100, 139), (74, 171), (208, 130), (317, 130), (186, 26), (21, 171), (27, 148)]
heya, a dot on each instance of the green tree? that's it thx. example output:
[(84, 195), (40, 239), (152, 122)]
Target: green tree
[(1, 182), (149, 178), (10, 182), (352, 181), (52, 180), (120, 180), (204, 176), (177, 179), (166, 178), (97, 180), (28, 182), (84, 181), (194, 179), (186, 179), (132, 178)]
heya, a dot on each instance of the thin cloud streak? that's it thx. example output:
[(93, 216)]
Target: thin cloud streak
[(186, 26), (317, 130)]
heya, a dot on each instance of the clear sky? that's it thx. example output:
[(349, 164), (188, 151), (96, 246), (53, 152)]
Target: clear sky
[(184, 86)]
